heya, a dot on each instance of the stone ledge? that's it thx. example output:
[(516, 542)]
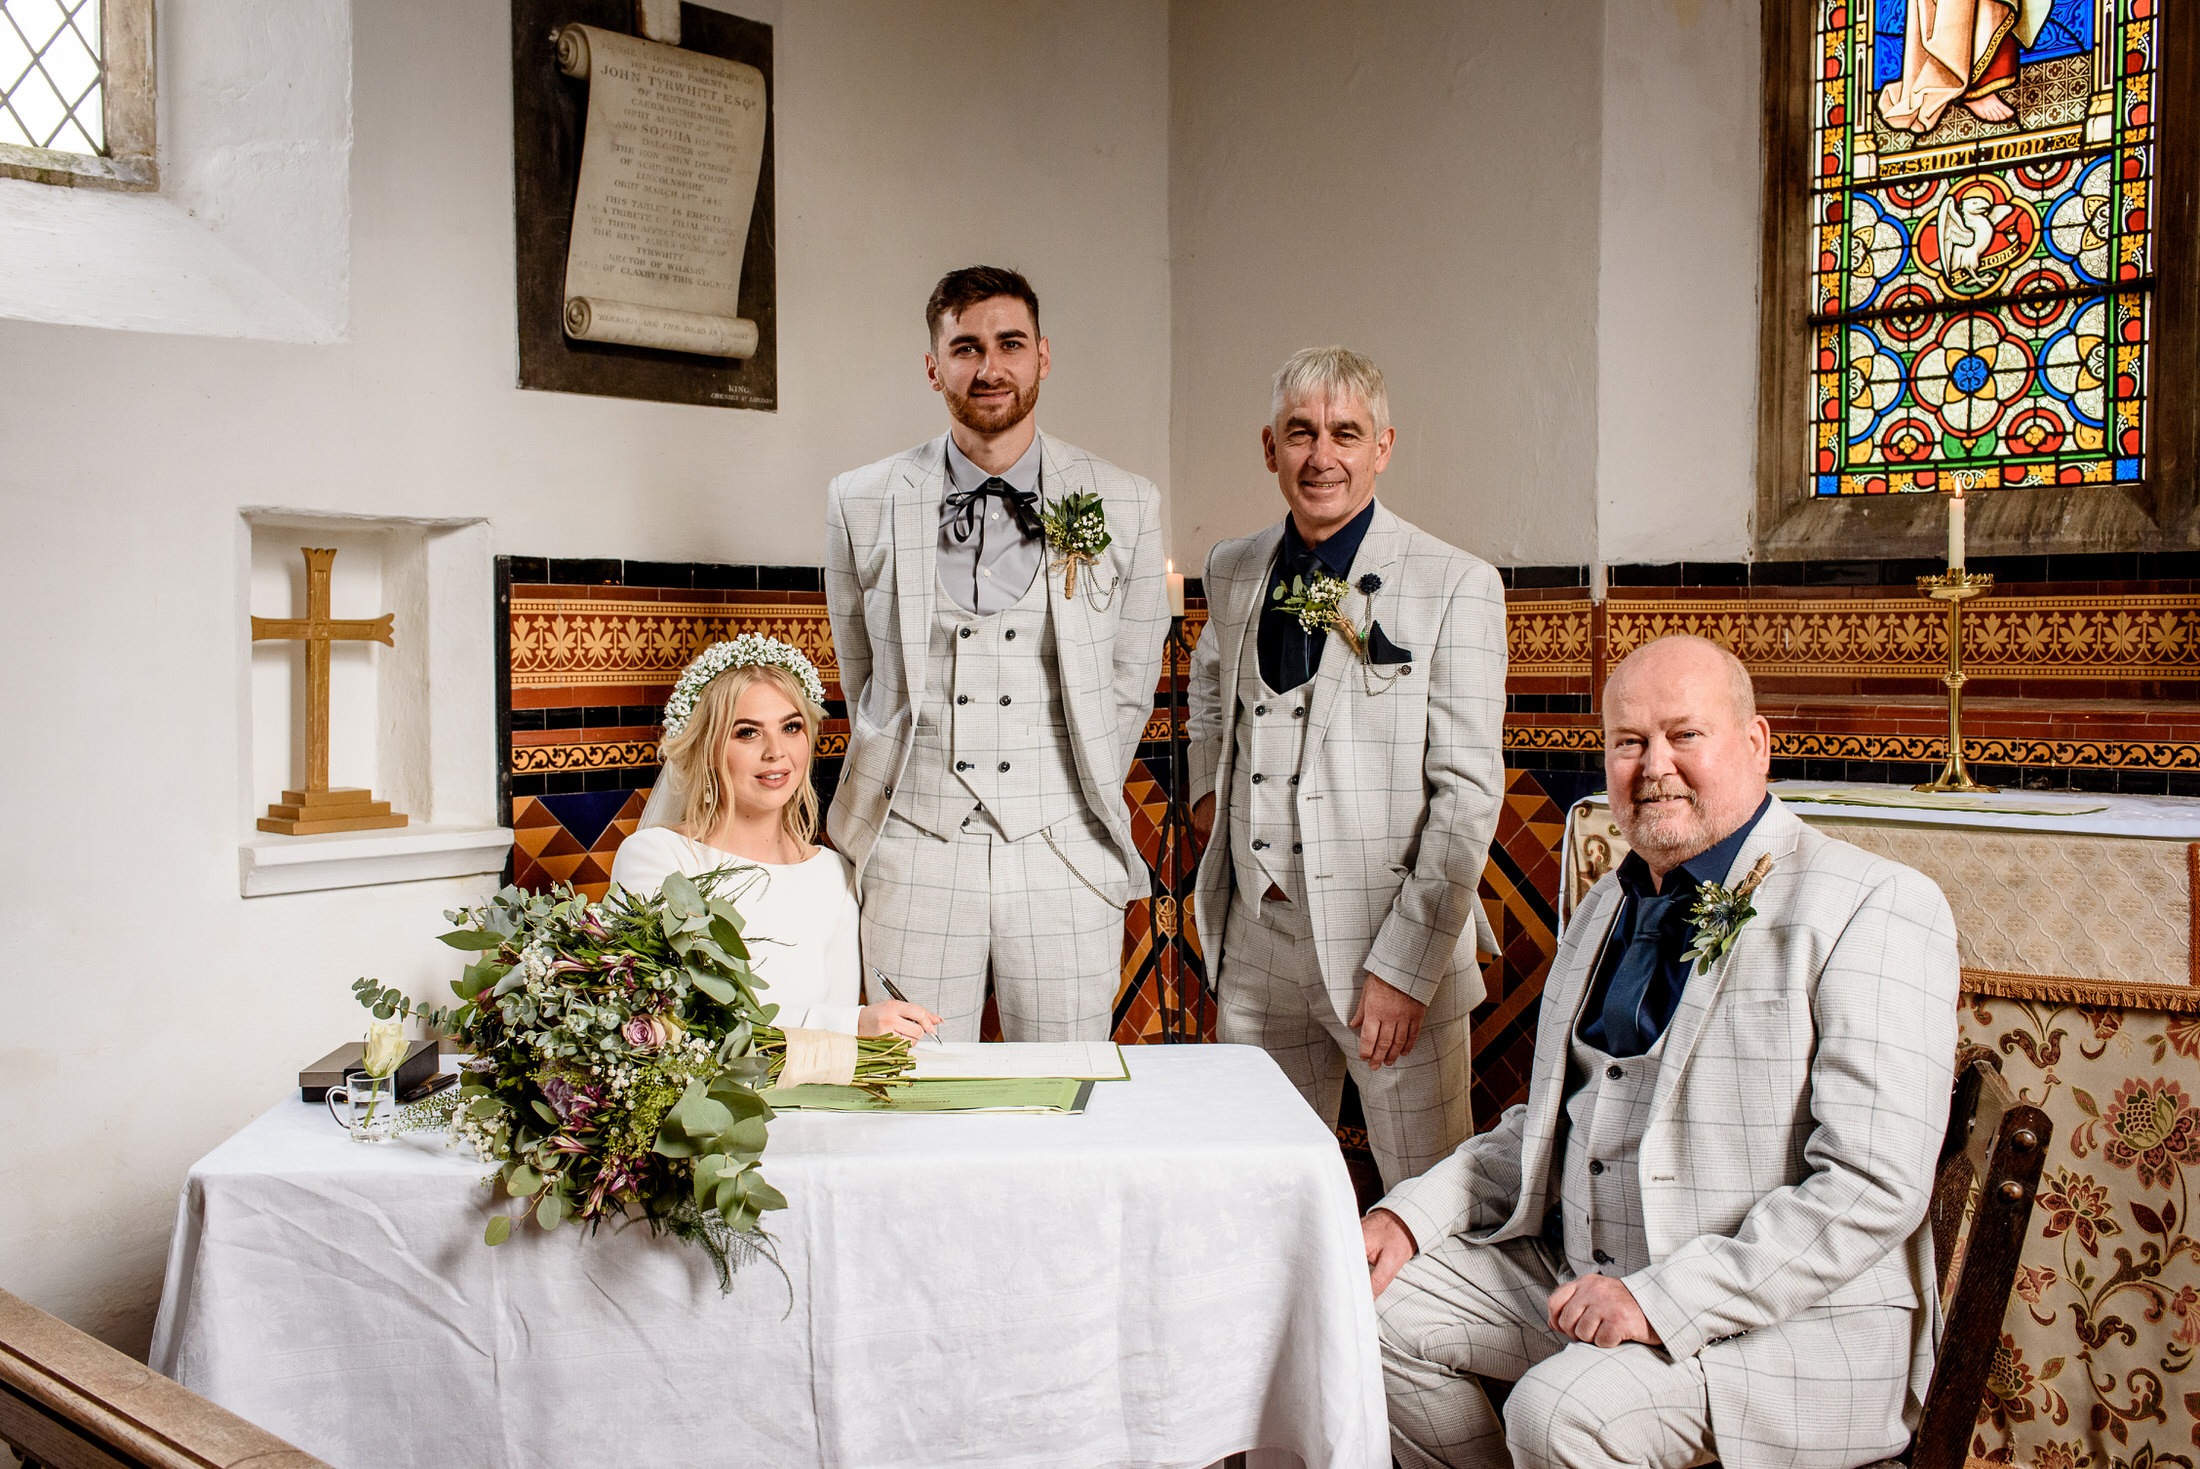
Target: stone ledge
[(268, 864)]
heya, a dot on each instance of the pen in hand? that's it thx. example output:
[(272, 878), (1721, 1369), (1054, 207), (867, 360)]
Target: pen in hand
[(893, 992)]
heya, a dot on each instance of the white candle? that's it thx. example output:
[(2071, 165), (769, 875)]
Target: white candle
[(1955, 532), (1176, 591)]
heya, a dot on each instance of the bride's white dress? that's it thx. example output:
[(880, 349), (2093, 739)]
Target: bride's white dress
[(799, 919)]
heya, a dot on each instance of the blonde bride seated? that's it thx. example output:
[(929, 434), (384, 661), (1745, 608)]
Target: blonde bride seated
[(735, 794)]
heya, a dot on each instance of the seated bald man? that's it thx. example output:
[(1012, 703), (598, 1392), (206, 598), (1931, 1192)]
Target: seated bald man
[(1704, 1235)]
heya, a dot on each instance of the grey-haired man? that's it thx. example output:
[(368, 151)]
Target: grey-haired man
[(1356, 757)]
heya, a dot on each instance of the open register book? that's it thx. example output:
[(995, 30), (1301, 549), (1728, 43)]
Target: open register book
[(971, 1077)]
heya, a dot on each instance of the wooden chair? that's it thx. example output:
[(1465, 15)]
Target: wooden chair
[(68, 1401), (1982, 1204)]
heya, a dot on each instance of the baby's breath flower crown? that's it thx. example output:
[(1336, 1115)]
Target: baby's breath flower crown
[(745, 651)]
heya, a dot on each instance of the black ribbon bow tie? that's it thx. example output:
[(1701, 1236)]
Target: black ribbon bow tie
[(1023, 504)]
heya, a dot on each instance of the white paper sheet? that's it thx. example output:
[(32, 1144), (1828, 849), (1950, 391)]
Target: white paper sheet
[(1000, 1060)]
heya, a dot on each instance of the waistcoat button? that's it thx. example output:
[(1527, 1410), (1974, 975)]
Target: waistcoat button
[(1004, 701), (1614, 1072), (1299, 713), (1596, 1166), (1258, 777), (1259, 845), (1259, 709), (962, 632), (963, 765), (1004, 767), (962, 698), (1297, 848), (1011, 635), (1601, 1258), (1294, 780)]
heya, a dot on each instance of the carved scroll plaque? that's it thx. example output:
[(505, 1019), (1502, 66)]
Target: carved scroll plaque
[(673, 147), (643, 204)]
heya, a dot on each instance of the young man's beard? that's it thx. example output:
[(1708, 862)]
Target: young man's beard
[(992, 418)]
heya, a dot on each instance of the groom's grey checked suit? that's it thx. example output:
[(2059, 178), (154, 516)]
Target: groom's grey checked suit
[(1378, 830), (1008, 752), (1791, 1113)]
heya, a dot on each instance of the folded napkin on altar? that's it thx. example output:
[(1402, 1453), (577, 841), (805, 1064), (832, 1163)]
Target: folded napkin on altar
[(1010, 1094)]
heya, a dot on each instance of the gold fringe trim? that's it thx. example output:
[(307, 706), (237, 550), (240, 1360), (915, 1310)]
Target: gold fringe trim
[(2063, 989)]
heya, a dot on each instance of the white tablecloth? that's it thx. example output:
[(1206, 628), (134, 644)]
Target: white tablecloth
[(1174, 1276)]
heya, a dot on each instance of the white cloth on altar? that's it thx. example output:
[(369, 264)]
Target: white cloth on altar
[(800, 919), (1174, 1276)]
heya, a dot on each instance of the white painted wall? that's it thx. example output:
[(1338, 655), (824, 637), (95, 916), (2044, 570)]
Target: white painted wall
[(1418, 180), (1677, 280), (146, 1010)]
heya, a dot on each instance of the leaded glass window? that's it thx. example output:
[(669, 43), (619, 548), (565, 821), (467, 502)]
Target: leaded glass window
[(50, 75), (1981, 251)]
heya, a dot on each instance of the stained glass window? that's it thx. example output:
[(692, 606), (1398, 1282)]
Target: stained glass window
[(1981, 259)]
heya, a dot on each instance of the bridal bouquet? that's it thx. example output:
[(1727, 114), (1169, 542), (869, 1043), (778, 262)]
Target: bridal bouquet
[(619, 1053)]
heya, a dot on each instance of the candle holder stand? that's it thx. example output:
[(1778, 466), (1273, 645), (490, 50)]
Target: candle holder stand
[(1955, 588)]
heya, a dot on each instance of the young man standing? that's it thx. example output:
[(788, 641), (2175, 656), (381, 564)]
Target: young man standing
[(998, 607)]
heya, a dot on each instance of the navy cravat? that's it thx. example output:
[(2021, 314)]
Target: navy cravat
[(1626, 1031)]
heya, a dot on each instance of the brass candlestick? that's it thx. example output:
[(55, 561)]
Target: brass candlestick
[(1955, 588)]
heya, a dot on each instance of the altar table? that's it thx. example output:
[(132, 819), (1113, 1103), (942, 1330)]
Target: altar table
[(1172, 1277)]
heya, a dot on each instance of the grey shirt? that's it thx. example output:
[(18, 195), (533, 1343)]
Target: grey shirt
[(993, 569)]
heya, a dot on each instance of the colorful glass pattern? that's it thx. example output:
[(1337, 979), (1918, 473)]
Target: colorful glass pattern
[(1981, 246)]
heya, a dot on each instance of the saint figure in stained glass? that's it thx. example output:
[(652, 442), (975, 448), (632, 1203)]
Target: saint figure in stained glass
[(1982, 246)]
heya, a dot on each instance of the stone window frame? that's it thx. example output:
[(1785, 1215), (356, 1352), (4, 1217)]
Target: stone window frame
[(2159, 512), (127, 104)]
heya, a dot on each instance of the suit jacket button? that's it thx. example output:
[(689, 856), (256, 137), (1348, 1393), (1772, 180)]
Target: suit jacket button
[(1601, 1258), (1596, 1167), (1004, 767), (962, 632), (1259, 709), (1296, 848), (1011, 635), (1294, 780), (1004, 701), (962, 698), (1258, 844), (1614, 1072), (962, 765), (889, 793), (1258, 777), (1299, 713), (1405, 670)]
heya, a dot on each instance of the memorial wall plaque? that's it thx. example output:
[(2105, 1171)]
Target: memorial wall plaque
[(644, 205)]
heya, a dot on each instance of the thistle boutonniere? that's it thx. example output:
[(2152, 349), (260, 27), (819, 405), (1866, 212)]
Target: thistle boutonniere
[(1719, 914), (1076, 531), (1319, 607)]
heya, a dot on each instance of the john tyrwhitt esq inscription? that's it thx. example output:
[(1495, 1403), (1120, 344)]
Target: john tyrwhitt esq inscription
[(674, 144)]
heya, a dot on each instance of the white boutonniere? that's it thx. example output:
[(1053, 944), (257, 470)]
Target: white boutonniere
[(1720, 914), (1319, 607), (1076, 531)]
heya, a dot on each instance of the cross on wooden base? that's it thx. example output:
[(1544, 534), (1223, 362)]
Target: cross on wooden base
[(317, 808)]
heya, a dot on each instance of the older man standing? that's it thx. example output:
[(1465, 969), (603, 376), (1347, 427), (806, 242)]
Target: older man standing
[(1347, 699), (1704, 1235), (998, 607)]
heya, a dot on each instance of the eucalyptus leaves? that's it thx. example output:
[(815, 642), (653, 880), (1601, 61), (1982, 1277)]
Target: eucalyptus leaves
[(1719, 914), (620, 1051)]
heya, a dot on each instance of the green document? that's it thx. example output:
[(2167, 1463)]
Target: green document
[(1024, 1094)]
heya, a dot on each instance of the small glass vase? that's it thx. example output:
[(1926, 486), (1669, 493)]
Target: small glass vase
[(369, 1106)]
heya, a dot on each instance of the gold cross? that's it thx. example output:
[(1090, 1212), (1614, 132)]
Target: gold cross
[(317, 630)]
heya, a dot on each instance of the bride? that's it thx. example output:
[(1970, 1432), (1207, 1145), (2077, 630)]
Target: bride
[(735, 793)]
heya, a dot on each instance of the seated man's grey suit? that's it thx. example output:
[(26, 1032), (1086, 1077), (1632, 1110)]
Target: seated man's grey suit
[(1795, 1107)]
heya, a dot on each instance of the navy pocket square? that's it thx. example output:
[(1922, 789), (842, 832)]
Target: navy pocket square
[(1380, 649)]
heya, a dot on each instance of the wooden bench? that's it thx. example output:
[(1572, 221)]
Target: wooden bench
[(69, 1401)]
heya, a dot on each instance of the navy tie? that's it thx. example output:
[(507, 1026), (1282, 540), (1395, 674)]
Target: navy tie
[(1627, 1032)]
